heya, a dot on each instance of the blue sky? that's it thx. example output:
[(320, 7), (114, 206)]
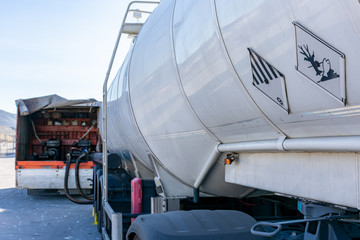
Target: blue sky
[(56, 47)]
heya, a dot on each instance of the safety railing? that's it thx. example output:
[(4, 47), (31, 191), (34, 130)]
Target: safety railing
[(130, 27)]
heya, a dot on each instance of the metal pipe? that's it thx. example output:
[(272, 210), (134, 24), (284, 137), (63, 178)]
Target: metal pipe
[(204, 172), (254, 146), (213, 157), (196, 195), (35, 133), (318, 144), (139, 11), (325, 144), (92, 126), (136, 171)]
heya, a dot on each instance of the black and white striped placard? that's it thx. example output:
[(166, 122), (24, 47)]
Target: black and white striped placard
[(268, 80)]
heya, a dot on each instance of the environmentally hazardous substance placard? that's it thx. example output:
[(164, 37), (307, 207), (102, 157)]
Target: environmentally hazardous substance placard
[(320, 62)]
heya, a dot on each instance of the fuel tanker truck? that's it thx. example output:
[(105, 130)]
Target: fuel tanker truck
[(233, 120)]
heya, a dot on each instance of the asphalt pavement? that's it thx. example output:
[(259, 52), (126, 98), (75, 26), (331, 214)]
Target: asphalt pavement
[(24, 217)]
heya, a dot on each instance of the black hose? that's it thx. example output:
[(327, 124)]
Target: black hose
[(66, 179), (77, 178)]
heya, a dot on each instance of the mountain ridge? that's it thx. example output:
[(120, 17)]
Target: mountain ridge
[(7, 119)]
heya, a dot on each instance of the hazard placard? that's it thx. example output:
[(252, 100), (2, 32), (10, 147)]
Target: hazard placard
[(320, 62), (268, 80)]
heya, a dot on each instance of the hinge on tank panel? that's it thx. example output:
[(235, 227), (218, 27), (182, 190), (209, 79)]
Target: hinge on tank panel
[(159, 187)]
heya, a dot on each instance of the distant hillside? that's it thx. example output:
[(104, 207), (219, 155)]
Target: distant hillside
[(7, 119), (7, 133)]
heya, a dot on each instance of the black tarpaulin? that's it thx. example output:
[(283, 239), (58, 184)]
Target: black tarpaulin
[(31, 105)]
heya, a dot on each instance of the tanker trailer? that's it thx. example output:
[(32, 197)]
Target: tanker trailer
[(248, 100)]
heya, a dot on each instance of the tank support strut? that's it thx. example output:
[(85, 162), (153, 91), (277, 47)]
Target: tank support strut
[(208, 165)]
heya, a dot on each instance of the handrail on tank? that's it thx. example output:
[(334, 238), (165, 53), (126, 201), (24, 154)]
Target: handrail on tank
[(104, 111)]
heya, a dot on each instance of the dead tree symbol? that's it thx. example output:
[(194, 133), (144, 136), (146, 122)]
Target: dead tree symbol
[(310, 58)]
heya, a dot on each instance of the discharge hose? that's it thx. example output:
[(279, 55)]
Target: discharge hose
[(66, 179), (77, 178)]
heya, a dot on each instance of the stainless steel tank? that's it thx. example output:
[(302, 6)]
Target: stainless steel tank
[(203, 73)]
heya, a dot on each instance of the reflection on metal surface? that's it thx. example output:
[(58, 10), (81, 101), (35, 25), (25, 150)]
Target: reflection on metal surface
[(338, 112), (320, 62), (268, 80), (160, 108), (207, 75), (179, 135)]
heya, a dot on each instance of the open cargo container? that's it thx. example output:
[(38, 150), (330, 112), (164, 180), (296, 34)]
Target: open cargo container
[(49, 128)]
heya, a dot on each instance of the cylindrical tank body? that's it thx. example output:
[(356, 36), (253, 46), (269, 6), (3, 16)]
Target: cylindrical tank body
[(196, 77)]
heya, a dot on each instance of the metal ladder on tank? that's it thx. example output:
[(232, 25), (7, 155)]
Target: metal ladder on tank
[(131, 29)]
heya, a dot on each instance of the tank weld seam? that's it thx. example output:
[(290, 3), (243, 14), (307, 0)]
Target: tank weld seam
[(137, 125), (222, 41), (134, 117), (178, 78)]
